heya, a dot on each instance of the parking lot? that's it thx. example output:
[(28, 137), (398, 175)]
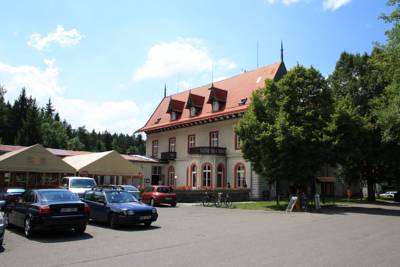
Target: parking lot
[(360, 235)]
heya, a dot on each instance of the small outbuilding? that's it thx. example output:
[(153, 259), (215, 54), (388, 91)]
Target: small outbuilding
[(105, 167), (32, 167)]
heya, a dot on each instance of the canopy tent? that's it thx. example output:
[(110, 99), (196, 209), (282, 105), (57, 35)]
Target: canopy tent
[(34, 158), (102, 163)]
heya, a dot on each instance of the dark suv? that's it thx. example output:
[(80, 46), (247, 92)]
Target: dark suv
[(117, 206)]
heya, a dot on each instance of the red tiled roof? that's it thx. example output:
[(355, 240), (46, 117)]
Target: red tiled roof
[(217, 94), (237, 88), (175, 105)]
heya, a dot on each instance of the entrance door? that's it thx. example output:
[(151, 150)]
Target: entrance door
[(155, 175)]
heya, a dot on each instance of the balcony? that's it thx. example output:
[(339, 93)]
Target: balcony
[(168, 155), (208, 150)]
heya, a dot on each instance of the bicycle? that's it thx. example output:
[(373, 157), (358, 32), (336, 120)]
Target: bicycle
[(223, 199), (208, 199)]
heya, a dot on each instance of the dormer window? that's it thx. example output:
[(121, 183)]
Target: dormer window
[(215, 106), (217, 98), (193, 111), (175, 109), (195, 104), (173, 116)]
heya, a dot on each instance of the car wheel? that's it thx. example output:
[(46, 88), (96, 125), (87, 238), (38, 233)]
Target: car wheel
[(28, 227), (113, 221), (147, 224), (152, 203), (80, 229)]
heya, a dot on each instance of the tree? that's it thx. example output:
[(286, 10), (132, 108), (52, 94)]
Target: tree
[(356, 85), (282, 132)]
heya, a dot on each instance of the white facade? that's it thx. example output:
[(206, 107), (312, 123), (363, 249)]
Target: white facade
[(211, 171)]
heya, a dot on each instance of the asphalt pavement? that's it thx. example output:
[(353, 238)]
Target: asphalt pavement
[(357, 235)]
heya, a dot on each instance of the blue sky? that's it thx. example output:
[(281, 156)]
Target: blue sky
[(104, 63)]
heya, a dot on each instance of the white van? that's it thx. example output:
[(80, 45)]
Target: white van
[(78, 185)]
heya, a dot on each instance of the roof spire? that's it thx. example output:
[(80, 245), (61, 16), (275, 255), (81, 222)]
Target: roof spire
[(212, 75), (165, 90), (281, 51)]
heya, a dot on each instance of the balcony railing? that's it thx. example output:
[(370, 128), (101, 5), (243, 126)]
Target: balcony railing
[(168, 155), (208, 150)]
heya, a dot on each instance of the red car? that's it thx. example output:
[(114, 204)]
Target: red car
[(159, 194)]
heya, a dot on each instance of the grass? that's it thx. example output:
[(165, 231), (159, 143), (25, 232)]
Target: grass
[(271, 205), (261, 205)]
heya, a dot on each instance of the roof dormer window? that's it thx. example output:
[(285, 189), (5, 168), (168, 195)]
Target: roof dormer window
[(174, 116), (193, 111), (215, 106)]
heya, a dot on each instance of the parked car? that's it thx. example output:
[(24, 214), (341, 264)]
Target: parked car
[(159, 194), (78, 185), (2, 205), (47, 209), (133, 190), (117, 207), (11, 194), (388, 194)]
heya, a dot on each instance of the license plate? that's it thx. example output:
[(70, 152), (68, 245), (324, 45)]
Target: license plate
[(168, 198), (69, 209), (145, 217)]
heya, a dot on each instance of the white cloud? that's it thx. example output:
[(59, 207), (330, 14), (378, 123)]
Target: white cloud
[(183, 85), (41, 83), (61, 36), (114, 116), (183, 56), (334, 4), (327, 4)]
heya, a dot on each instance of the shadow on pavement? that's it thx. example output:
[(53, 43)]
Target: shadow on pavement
[(1, 249), (334, 210), (52, 236), (128, 228)]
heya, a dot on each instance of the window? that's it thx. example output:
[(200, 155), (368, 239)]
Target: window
[(215, 106), (207, 175), (154, 148), (172, 142), (240, 176), (193, 111), (171, 175), (214, 139), (220, 175), (174, 116), (193, 172), (99, 197), (191, 141), (237, 142)]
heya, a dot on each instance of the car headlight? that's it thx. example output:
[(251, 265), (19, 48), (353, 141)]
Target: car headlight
[(128, 212), (154, 210)]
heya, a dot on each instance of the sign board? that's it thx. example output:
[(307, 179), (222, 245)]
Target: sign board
[(291, 204)]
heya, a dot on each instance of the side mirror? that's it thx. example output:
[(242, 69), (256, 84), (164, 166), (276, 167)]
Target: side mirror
[(2, 205)]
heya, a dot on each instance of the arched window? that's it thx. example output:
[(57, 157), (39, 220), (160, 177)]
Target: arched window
[(171, 176), (220, 175), (207, 175), (240, 176), (193, 173)]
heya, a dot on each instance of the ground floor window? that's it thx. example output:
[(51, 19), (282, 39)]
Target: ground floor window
[(193, 172), (207, 175), (220, 175), (171, 176), (240, 175)]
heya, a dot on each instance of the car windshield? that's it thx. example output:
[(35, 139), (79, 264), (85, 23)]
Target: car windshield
[(164, 190), (120, 197), (15, 190), (130, 188), (57, 196), (82, 183)]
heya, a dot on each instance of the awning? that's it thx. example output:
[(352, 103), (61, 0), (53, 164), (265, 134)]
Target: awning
[(102, 163), (327, 179), (34, 158)]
